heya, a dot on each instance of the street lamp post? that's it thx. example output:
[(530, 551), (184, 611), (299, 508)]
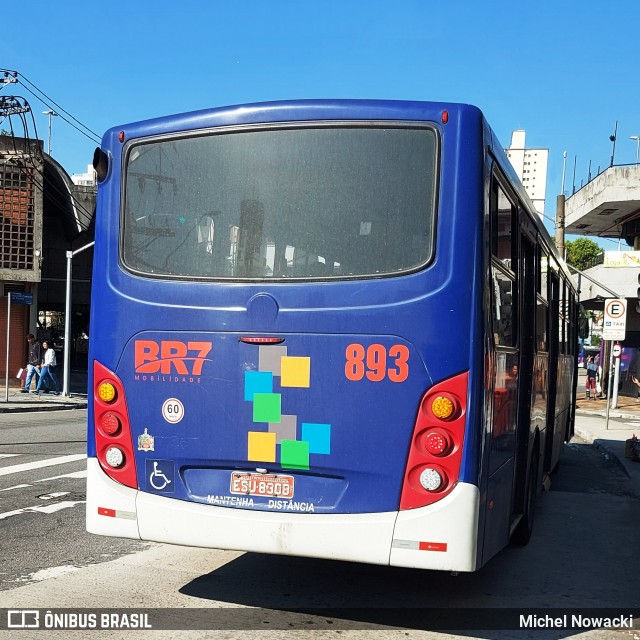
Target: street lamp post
[(67, 319), (49, 113), (637, 139)]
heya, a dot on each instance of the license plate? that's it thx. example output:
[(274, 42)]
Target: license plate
[(261, 484)]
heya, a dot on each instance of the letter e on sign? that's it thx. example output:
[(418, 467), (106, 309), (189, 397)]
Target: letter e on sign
[(615, 319)]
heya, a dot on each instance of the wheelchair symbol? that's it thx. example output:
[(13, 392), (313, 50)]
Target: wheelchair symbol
[(158, 480)]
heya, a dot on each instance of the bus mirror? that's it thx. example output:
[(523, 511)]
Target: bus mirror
[(100, 163)]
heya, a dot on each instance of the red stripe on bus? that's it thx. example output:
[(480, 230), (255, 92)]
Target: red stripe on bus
[(432, 546)]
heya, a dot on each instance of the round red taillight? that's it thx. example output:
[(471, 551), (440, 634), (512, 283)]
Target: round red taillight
[(437, 442), (110, 424)]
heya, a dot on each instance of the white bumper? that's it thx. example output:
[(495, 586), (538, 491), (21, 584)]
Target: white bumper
[(440, 536)]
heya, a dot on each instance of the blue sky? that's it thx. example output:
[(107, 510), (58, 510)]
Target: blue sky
[(565, 71)]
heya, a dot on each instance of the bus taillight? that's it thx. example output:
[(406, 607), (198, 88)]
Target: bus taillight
[(114, 444), (433, 464)]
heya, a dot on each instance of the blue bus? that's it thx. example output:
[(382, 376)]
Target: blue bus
[(324, 328)]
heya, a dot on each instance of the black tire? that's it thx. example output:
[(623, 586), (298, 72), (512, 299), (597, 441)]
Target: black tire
[(522, 534)]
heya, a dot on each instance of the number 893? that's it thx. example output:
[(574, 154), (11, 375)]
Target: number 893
[(376, 363)]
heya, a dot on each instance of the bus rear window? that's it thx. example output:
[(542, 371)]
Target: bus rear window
[(265, 204)]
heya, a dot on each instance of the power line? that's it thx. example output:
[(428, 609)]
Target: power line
[(51, 103), (52, 191), (18, 106)]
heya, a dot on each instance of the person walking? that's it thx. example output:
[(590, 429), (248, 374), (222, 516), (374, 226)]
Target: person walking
[(592, 378), (33, 362), (637, 383), (46, 372)]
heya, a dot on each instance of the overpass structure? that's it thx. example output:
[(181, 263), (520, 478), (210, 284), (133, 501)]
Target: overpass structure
[(608, 206)]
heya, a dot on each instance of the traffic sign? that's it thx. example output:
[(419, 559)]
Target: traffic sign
[(616, 351), (18, 297), (615, 319)]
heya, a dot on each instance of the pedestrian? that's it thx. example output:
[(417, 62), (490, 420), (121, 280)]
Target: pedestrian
[(33, 361), (592, 378), (637, 383), (46, 371)]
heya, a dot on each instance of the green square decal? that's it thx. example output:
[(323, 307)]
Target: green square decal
[(294, 454), (267, 407)]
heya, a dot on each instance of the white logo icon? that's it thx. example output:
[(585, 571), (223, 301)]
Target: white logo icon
[(157, 479), (23, 619)]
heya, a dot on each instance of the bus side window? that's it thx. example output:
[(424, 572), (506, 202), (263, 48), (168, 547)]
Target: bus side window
[(503, 265), (503, 309), (502, 214)]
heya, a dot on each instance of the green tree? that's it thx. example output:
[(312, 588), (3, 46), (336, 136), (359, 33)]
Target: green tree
[(582, 253)]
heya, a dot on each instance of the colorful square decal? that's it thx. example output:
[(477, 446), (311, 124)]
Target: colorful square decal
[(294, 454), (267, 407), (269, 358), (296, 371), (318, 436), (262, 446), (257, 382), (285, 429)]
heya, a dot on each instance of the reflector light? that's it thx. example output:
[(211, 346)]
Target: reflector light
[(106, 392), (114, 457), (261, 340), (445, 117), (432, 546), (442, 407), (431, 480), (110, 423), (436, 442), (103, 511), (121, 136)]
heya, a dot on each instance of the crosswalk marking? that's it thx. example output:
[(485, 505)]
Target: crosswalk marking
[(49, 508), (27, 466), (55, 494), (75, 474), (16, 486), (50, 502)]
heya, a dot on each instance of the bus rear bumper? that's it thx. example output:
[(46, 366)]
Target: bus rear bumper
[(376, 538), (111, 507), (442, 536)]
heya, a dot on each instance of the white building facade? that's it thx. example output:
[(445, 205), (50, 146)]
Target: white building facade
[(530, 166), (87, 179)]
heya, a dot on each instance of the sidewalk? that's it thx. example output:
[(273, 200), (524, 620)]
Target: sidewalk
[(624, 423), (19, 402)]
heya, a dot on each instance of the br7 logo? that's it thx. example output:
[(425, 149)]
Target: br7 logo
[(171, 356)]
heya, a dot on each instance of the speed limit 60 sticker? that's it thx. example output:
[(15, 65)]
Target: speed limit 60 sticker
[(173, 410)]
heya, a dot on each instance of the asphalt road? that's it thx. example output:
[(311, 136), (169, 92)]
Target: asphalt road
[(584, 553), (42, 519)]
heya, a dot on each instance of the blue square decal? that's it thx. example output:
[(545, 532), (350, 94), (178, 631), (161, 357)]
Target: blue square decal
[(257, 382), (318, 436)]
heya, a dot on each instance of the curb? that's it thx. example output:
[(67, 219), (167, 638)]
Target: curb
[(68, 407), (603, 448), (614, 413), (49, 406)]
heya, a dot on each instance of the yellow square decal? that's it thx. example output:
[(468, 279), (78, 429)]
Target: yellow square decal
[(295, 371), (262, 446)]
